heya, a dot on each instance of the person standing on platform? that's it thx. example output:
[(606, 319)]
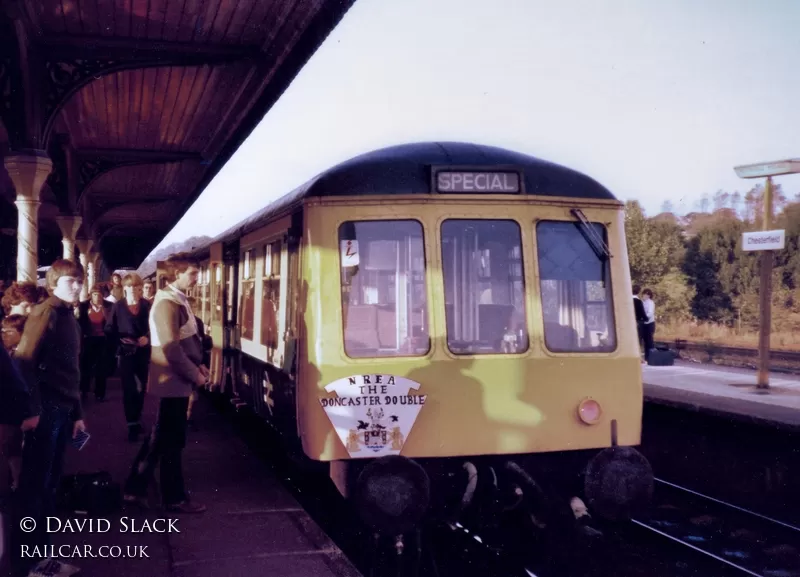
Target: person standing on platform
[(208, 344), (638, 311), (176, 370), (117, 289), (649, 324), (107, 293), (13, 404), (20, 298), (13, 327), (48, 356), (18, 301), (128, 331), (149, 291), (96, 355)]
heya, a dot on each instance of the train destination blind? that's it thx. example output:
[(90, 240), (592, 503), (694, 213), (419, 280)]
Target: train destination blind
[(467, 181)]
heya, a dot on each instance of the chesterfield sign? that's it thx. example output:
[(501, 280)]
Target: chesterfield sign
[(764, 240)]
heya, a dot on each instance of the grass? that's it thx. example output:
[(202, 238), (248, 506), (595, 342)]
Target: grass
[(722, 335)]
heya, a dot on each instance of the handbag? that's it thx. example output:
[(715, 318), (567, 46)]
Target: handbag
[(127, 349)]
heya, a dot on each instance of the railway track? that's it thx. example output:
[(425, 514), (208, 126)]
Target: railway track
[(435, 551), (746, 542), (453, 549), (782, 359)]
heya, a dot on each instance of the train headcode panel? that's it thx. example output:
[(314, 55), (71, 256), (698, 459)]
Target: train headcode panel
[(373, 414), (466, 181)]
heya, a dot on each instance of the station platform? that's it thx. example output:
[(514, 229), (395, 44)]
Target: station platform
[(253, 525), (725, 391)]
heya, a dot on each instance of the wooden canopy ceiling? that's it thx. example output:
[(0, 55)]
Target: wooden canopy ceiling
[(139, 103)]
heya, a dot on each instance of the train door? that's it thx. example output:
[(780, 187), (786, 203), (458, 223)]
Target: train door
[(295, 304), (230, 336), (215, 326)]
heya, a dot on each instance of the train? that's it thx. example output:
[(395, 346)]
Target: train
[(434, 324)]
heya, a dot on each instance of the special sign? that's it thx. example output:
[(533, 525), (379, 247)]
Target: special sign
[(464, 181), (373, 414)]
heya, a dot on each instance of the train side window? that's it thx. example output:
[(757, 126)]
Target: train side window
[(216, 304), (271, 295), (384, 296), (575, 289), (484, 287), (229, 293), (206, 296), (248, 297)]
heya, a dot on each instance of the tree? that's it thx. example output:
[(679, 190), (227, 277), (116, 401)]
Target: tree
[(721, 200), (736, 202), (704, 203), (754, 203), (674, 297), (653, 247)]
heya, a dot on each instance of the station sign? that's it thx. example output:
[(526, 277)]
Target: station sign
[(764, 240), (477, 181), (764, 169)]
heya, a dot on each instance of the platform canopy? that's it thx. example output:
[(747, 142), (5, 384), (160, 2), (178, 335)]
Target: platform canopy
[(139, 103)]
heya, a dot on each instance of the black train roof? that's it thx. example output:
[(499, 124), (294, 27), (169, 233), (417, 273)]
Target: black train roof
[(405, 169)]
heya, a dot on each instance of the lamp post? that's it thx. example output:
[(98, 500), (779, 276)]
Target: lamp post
[(766, 242)]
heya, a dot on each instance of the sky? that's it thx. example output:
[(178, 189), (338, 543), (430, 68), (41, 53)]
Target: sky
[(655, 100)]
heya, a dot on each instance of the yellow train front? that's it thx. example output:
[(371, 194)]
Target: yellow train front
[(435, 321)]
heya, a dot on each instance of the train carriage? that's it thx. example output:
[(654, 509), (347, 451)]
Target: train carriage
[(424, 313)]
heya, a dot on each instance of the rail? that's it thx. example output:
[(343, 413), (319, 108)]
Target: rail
[(739, 538), (712, 350)]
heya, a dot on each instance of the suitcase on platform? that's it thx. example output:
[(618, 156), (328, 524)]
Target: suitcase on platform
[(90, 493), (661, 358)]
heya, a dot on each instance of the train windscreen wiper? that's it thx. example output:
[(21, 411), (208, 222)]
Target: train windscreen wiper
[(595, 240)]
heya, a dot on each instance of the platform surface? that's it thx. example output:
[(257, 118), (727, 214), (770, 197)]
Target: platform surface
[(725, 390), (253, 525)]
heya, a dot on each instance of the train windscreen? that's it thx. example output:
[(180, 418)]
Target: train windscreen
[(575, 289), (484, 286), (384, 297)]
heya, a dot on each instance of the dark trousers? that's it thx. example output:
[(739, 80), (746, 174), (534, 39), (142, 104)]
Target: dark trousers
[(95, 362), (648, 336), (42, 463), (131, 368), (165, 445)]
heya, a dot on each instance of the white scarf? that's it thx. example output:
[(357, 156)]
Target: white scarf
[(189, 328)]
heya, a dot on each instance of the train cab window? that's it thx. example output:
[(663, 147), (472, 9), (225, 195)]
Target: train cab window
[(271, 294), (484, 287), (384, 298), (575, 289), (248, 296)]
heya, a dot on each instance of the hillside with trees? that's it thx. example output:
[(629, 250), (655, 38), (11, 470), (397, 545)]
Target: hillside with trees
[(149, 264), (706, 287)]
